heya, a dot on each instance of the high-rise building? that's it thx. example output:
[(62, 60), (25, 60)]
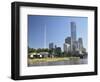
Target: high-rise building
[(73, 36), (80, 44), (76, 46), (66, 47), (73, 31), (55, 46), (68, 40), (51, 46)]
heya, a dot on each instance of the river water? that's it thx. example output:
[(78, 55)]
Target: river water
[(67, 62)]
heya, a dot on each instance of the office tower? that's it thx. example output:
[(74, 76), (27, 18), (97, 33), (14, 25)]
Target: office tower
[(66, 47), (58, 49), (73, 36), (55, 46), (51, 46), (76, 46), (68, 40), (80, 44)]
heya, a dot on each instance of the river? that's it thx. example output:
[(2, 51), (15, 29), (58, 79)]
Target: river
[(67, 62)]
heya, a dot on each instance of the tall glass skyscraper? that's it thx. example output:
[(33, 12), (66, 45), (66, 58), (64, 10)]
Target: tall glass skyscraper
[(73, 36)]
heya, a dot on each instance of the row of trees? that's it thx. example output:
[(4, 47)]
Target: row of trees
[(30, 50), (50, 51), (56, 52)]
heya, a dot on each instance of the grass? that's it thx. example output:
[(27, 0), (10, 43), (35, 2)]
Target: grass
[(37, 60)]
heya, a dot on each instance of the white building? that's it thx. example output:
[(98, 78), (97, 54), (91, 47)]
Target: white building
[(44, 54), (66, 47), (38, 55)]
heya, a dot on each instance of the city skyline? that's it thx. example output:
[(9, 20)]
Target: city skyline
[(57, 29)]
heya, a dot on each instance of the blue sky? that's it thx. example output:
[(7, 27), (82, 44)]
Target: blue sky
[(57, 29)]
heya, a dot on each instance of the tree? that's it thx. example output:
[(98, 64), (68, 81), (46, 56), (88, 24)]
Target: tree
[(50, 51), (58, 51), (38, 50), (46, 50)]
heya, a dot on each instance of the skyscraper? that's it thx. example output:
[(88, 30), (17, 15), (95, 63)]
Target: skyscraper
[(76, 46), (80, 44), (73, 36), (68, 40), (67, 45), (51, 46), (73, 31)]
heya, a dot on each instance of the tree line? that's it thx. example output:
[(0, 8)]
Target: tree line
[(55, 52)]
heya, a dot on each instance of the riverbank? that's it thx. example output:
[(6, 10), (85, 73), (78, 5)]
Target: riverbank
[(38, 60)]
